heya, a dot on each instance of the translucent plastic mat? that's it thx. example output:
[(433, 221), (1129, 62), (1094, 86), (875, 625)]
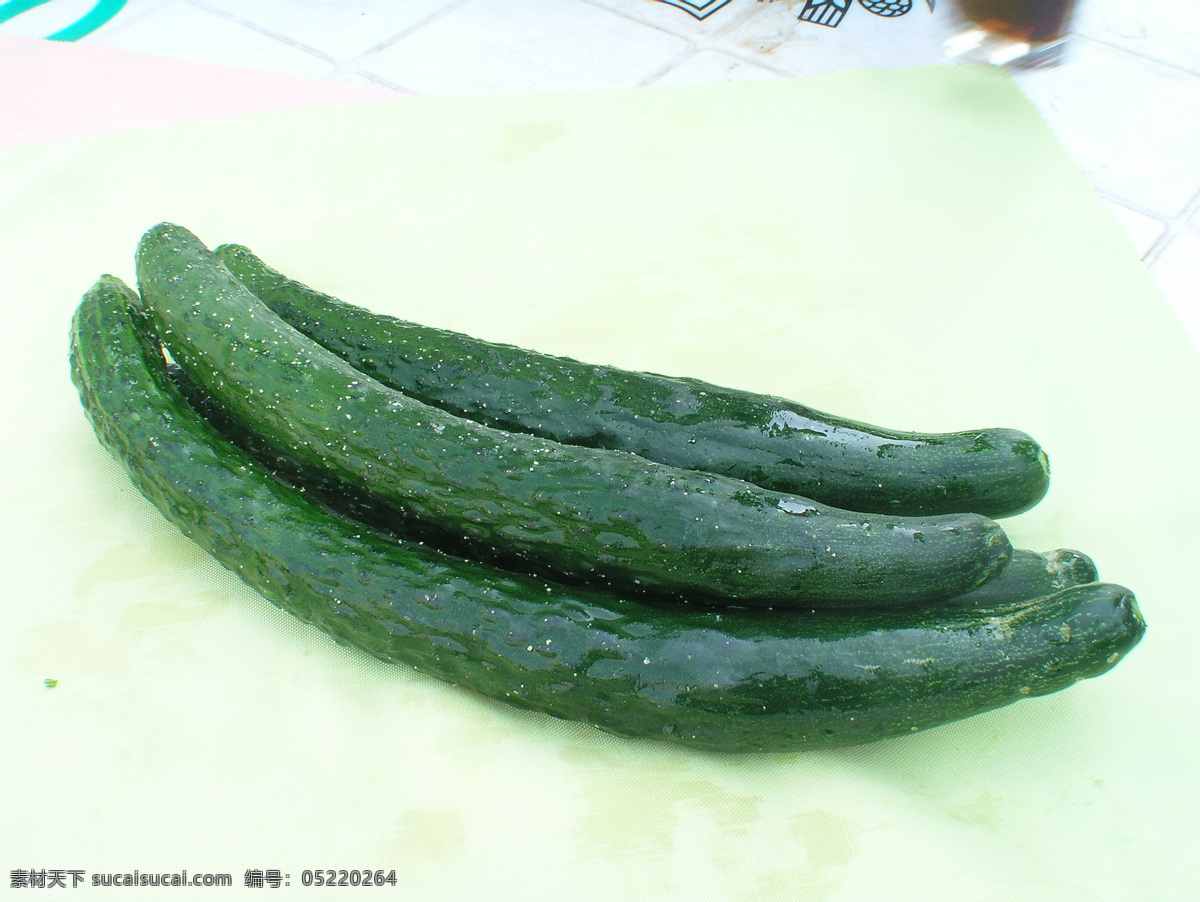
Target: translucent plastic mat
[(908, 248)]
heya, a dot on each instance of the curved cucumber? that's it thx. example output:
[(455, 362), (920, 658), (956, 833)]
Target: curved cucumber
[(730, 680), (1030, 574), (581, 513), (777, 444)]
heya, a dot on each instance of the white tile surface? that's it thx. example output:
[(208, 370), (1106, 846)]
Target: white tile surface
[(486, 46), (678, 21), (1144, 231), (1177, 270), (1133, 124), (341, 30), (184, 31), (710, 66), (1167, 30), (862, 40)]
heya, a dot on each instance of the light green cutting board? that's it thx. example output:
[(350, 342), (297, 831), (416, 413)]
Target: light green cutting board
[(908, 248)]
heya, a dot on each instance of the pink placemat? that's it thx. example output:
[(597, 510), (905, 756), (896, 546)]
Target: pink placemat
[(55, 90)]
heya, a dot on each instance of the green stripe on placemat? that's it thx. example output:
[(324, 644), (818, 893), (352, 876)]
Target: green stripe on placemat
[(16, 7), (101, 13)]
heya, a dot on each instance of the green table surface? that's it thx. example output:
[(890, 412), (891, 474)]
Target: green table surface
[(909, 248)]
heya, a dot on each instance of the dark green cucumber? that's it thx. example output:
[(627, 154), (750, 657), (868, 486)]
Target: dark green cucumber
[(732, 680), (1030, 574), (584, 514), (777, 444)]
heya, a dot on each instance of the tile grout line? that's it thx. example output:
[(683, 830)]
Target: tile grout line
[(736, 20), (707, 42), (1176, 226), (696, 43), (674, 63), (1164, 236), (340, 66), (379, 80), (352, 65), (275, 36), (404, 33), (1084, 36), (754, 61)]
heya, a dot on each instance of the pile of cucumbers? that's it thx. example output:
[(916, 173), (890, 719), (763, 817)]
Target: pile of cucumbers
[(658, 557)]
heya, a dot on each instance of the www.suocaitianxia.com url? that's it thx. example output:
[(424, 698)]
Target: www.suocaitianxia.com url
[(46, 878)]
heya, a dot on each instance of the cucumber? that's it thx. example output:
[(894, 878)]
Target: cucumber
[(583, 514), (774, 443), (1030, 574), (732, 680)]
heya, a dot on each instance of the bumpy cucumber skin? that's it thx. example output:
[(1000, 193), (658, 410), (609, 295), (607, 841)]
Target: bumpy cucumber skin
[(777, 444), (1029, 575), (731, 680), (583, 514)]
